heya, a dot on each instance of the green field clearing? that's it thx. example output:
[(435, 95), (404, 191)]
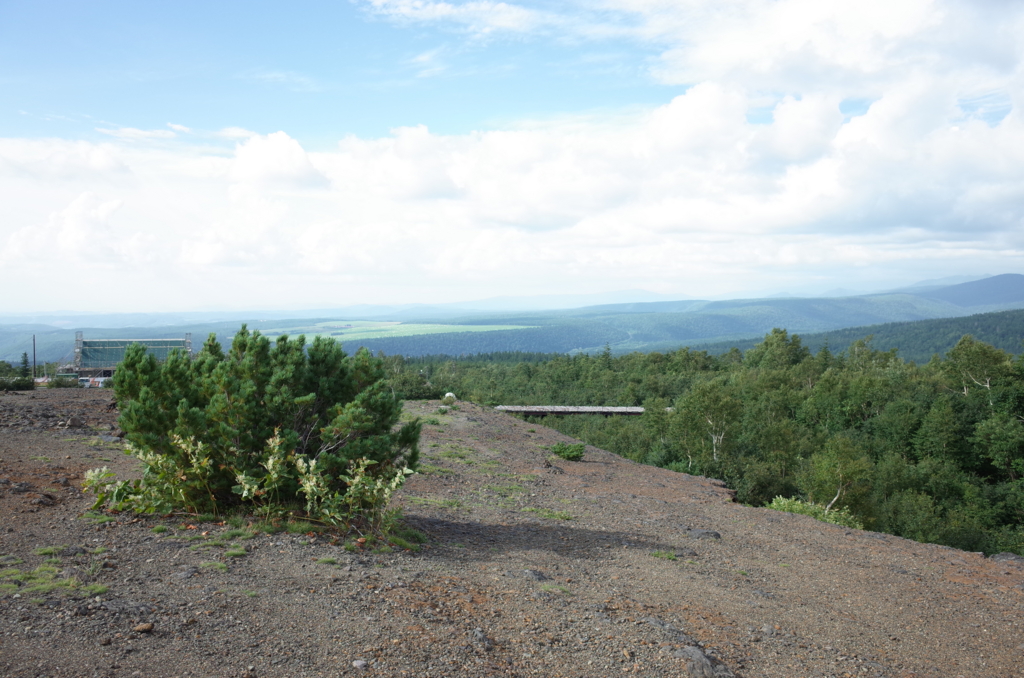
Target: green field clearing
[(357, 330)]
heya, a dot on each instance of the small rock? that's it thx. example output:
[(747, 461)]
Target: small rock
[(703, 534), (481, 637), (104, 641), (143, 628), (76, 422), (185, 574), (685, 553), (699, 665), (360, 664), (1007, 557), (535, 575)]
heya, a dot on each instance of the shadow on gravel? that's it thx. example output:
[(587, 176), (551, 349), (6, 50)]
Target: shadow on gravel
[(483, 541)]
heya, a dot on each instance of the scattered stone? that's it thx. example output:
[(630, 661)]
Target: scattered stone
[(104, 641), (76, 422), (536, 575), (551, 468), (143, 628), (699, 665), (72, 551), (1007, 557), (670, 630), (360, 664), (185, 574), (685, 553), (702, 534), (481, 637)]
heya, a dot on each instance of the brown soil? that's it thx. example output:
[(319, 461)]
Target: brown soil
[(592, 568)]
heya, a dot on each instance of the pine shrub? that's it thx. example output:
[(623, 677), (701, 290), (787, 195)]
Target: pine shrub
[(568, 451), (268, 428)]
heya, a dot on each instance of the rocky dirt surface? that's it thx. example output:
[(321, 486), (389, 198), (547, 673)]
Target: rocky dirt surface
[(533, 566)]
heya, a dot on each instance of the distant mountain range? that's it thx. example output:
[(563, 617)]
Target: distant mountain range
[(654, 324)]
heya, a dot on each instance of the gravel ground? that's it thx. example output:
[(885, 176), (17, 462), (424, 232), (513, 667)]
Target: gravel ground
[(533, 567)]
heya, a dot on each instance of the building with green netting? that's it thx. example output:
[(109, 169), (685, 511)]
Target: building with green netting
[(100, 357)]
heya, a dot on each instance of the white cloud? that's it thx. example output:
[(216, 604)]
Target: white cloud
[(297, 82), (429, 63), (481, 17), (753, 177), (235, 133), (82, 232), (133, 134), (179, 128), (274, 160), (690, 197)]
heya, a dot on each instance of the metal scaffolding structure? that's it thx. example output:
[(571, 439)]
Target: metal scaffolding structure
[(100, 357)]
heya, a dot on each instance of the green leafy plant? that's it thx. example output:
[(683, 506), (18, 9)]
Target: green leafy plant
[(17, 384), (817, 511), (63, 382), (268, 428), (665, 555), (568, 451)]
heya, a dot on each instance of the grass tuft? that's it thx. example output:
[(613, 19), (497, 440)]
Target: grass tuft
[(548, 514)]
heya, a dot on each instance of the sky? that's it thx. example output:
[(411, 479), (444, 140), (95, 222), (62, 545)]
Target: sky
[(267, 155)]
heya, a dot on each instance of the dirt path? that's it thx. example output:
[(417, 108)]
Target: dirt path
[(596, 568)]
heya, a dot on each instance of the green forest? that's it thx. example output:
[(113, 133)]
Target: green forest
[(932, 452)]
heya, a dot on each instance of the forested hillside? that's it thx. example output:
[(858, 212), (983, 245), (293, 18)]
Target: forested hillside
[(917, 341), (932, 452)]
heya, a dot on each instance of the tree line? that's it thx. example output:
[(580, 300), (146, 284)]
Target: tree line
[(931, 452)]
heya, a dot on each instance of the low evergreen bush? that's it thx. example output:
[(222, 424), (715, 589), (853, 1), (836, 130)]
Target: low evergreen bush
[(270, 429), (568, 451)]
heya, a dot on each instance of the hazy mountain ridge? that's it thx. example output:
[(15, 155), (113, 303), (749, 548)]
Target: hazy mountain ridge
[(631, 326)]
